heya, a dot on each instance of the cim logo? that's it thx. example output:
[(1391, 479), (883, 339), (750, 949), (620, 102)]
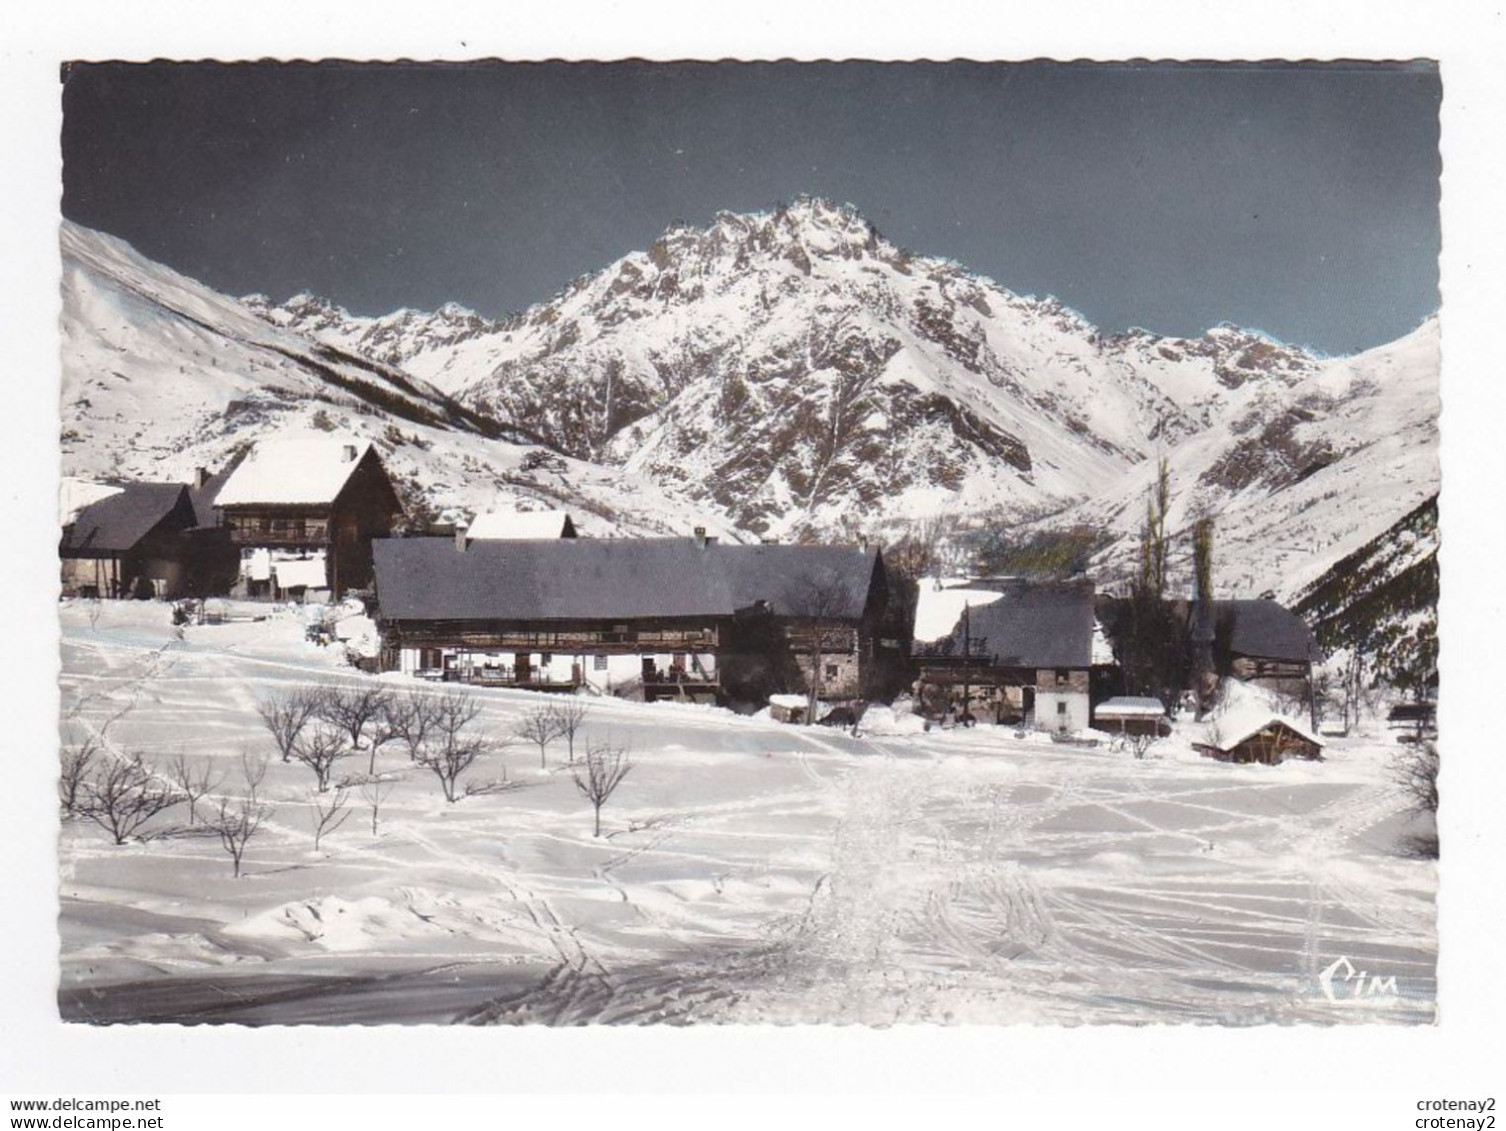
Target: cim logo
[(1342, 984)]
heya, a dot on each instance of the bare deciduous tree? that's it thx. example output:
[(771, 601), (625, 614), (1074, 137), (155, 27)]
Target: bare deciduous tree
[(1352, 682), (821, 601), (410, 718), (923, 549), (123, 794), (253, 770), (446, 749), (236, 822), (570, 715), (1140, 743), (353, 709), (285, 716), (374, 791), (540, 726), (450, 756), (319, 749), (452, 712), (73, 775), (385, 728), (329, 811), (1415, 769), (599, 776), (193, 782)]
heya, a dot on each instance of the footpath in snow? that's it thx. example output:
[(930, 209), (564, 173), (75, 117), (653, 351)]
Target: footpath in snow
[(748, 871)]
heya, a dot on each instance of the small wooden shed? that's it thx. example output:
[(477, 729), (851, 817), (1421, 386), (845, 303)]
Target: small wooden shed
[(786, 708), (1269, 741), (1132, 714)]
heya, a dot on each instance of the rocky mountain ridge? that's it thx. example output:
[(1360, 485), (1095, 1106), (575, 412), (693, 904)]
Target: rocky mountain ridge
[(785, 374), (794, 370), (162, 375)]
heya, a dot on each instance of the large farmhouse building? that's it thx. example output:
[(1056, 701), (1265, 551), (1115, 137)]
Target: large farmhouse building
[(1025, 657), (147, 540), (1259, 641), (661, 617), (1038, 654), (1256, 640), (303, 511)]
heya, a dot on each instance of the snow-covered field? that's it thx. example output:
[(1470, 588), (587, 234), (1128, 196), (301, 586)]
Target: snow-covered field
[(748, 871)]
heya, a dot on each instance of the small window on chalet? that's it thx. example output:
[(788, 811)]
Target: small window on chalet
[(831, 671), (544, 658), (1061, 706), (599, 663), (1063, 675)]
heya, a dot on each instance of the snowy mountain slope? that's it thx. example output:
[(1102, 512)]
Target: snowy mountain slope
[(164, 352), (1383, 597), (787, 373), (162, 375), (787, 366), (1299, 474), (800, 372)]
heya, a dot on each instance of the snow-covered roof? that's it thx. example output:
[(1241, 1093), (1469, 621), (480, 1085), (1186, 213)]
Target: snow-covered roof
[(938, 609), (1232, 733), (1028, 625), (118, 521), (608, 578), (1103, 651), (1247, 711), (1265, 628), (512, 525), (1130, 707), (786, 700), (310, 468), (75, 494), (309, 572)]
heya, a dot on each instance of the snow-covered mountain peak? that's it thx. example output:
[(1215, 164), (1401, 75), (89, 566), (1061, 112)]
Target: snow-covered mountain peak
[(794, 373), (794, 368), (162, 375)]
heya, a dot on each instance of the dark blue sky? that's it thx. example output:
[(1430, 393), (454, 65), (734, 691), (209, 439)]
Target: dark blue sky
[(1302, 200)]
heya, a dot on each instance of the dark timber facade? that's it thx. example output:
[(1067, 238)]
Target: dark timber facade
[(356, 504), (1024, 659), (147, 540), (658, 618)]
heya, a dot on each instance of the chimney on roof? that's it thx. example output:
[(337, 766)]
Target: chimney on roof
[(700, 537), (200, 476), (348, 453), (461, 541), (863, 543)]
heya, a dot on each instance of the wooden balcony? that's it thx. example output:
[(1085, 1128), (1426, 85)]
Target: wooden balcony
[(689, 686)]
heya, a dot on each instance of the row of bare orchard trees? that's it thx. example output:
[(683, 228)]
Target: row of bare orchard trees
[(323, 727), (124, 794), (319, 727)]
